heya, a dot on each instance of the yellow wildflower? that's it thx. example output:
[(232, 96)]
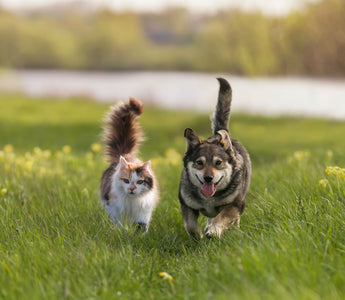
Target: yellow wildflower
[(43, 171), (166, 276), (59, 154), (27, 155), (340, 172), (28, 165), (85, 192), (89, 155), (335, 171), (47, 153), (3, 192), (37, 151), (330, 171), (329, 154), (323, 183), (8, 148), (156, 161), (20, 162), (66, 149), (301, 155), (96, 148), (173, 156), (10, 157), (7, 169)]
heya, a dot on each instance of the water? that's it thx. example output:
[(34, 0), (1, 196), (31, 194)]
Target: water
[(192, 91)]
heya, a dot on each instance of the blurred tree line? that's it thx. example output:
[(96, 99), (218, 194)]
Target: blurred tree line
[(308, 42)]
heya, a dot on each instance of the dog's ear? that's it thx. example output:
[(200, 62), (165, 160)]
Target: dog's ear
[(225, 140), (192, 138)]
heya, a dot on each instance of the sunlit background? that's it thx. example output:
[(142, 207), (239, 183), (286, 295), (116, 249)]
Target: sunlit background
[(275, 7), (280, 56)]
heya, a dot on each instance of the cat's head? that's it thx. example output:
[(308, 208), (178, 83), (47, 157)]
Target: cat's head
[(135, 178)]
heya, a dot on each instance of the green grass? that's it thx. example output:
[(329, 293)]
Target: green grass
[(56, 242)]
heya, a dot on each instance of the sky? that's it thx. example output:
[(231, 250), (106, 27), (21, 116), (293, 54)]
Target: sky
[(272, 7)]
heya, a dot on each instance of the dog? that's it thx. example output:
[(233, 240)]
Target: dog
[(216, 175)]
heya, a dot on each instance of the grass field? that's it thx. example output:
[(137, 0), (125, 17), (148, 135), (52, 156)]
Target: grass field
[(56, 242)]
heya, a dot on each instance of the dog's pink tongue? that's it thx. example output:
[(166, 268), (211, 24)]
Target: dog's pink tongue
[(208, 189)]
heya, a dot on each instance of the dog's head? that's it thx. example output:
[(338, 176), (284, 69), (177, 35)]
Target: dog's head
[(211, 162)]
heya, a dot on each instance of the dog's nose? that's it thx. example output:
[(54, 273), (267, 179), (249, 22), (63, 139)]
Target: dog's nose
[(208, 178)]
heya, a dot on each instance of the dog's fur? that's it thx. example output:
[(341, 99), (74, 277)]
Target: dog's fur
[(216, 176)]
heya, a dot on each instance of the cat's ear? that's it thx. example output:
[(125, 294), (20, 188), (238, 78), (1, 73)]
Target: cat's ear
[(123, 162), (147, 167)]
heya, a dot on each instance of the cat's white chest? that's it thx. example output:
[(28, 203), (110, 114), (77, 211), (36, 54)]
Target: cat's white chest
[(123, 208)]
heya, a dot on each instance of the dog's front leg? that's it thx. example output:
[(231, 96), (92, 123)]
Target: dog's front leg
[(228, 216), (190, 221)]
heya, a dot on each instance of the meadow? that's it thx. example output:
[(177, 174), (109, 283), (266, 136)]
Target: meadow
[(56, 241)]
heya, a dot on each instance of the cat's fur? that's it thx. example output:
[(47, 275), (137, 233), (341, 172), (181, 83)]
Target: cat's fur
[(128, 188)]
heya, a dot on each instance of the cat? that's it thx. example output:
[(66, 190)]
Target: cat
[(128, 188)]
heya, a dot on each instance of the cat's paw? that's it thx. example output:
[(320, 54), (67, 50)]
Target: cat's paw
[(141, 227)]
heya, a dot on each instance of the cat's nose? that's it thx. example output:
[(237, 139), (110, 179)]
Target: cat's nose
[(132, 188)]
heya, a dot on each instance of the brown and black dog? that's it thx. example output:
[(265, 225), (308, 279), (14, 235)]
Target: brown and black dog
[(216, 175)]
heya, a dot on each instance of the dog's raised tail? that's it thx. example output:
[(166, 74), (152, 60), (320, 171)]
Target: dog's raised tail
[(122, 133), (221, 117)]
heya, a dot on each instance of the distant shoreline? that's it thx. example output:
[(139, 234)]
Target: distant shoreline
[(297, 96)]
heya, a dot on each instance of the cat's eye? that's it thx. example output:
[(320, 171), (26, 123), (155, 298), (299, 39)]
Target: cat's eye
[(125, 180), (140, 181)]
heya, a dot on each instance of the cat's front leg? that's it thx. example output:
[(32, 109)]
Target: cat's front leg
[(141, 227)]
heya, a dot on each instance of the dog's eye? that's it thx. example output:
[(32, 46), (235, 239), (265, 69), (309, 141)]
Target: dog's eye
[(140, 181), (125, 180), (218, 162), (199, 162)]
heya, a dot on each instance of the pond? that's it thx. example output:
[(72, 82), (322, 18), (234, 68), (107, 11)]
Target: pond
[(323, 98)]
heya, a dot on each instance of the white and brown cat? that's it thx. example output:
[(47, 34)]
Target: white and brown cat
[(128, 188)]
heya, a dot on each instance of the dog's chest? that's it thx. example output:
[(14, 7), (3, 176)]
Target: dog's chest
[(210, 212), (210, 207)]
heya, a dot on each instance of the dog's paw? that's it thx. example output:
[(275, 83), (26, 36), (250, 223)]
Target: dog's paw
[(195, 236), (193, 231), (213, 231), (216, 230)]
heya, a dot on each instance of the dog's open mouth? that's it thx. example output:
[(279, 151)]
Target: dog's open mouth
[(209, 189)]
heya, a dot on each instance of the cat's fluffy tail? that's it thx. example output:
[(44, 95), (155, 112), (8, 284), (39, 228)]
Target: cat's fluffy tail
[(122, 133)]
